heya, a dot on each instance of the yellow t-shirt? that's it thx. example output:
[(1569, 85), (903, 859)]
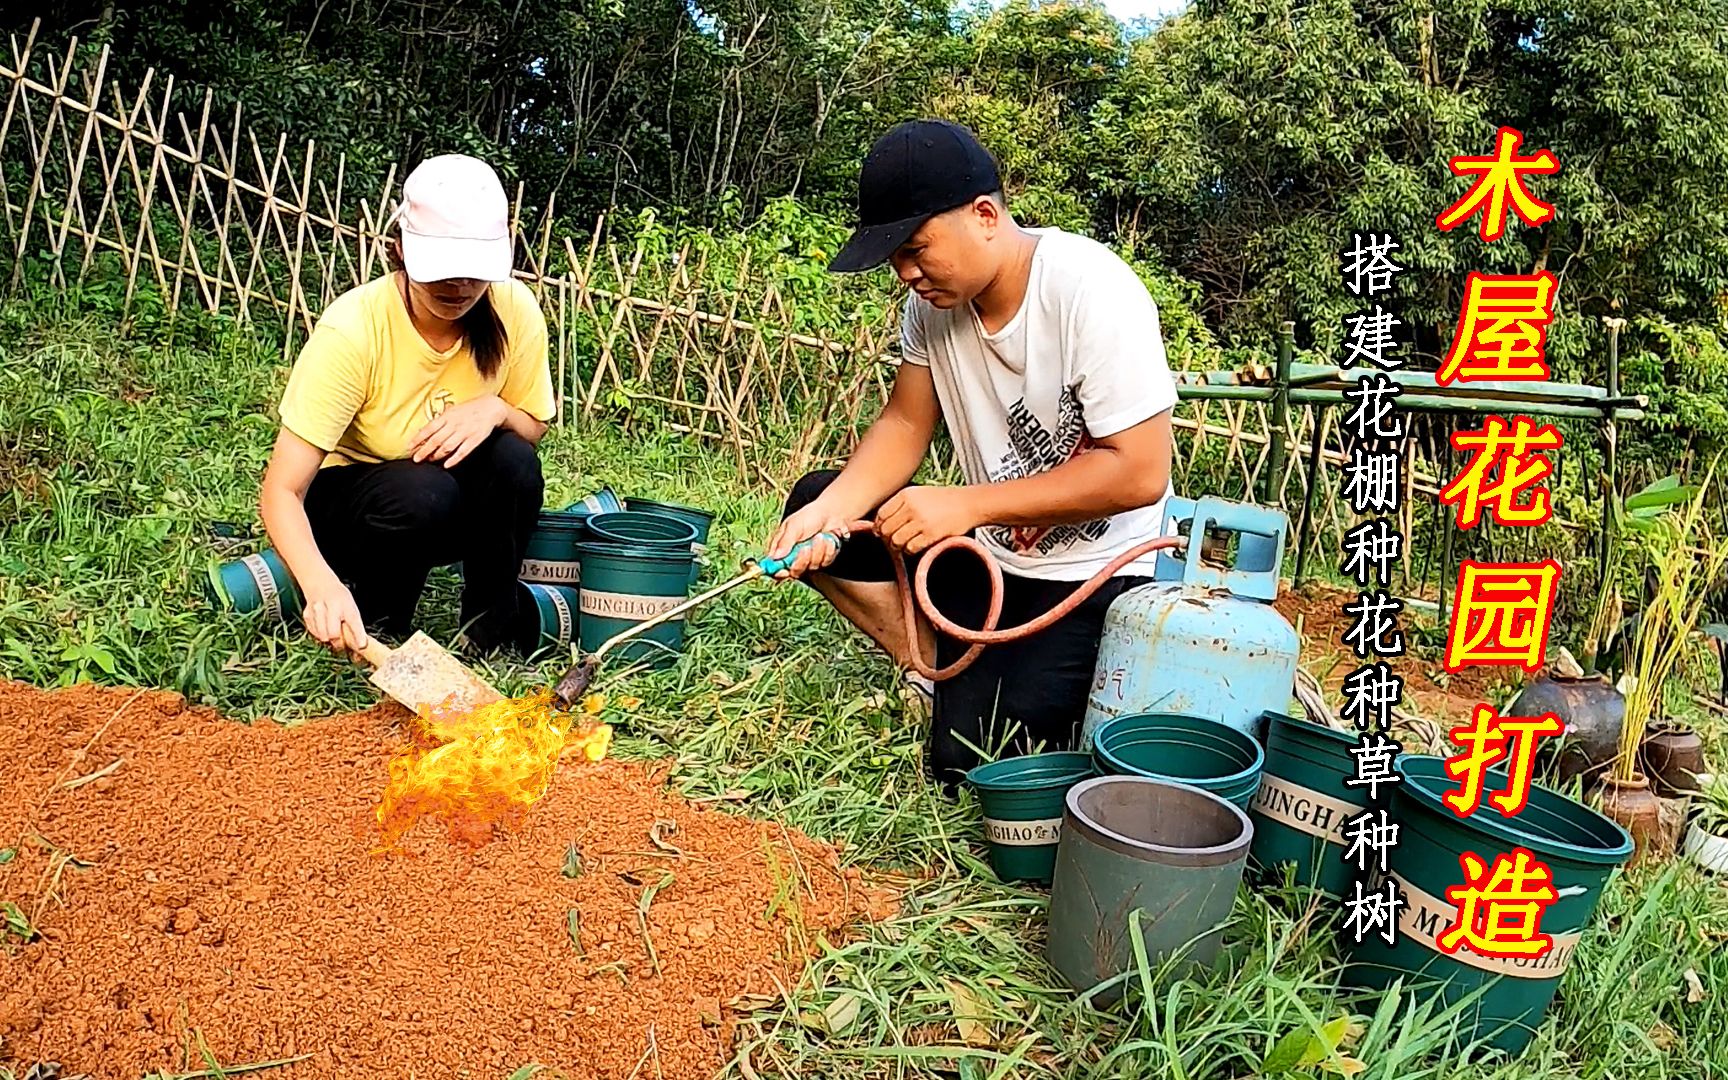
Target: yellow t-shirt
[(367, 382)]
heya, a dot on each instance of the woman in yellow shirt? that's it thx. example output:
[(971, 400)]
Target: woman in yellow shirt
[(410, 422)]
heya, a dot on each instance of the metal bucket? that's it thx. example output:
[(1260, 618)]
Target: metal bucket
[(1167, 857)]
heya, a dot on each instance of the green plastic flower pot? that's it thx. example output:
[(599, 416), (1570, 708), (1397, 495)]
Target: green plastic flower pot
[(1184, 749), (258, 582), (649, 530), (551, 556), (1166, 856), (604, 501), (1302, 805), (702, 519), (1580, 846), (624, 584), (553, 615), (1022, 802)]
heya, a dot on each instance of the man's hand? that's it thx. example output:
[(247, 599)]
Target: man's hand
[(919, 517), (458, 430), (813, 520)]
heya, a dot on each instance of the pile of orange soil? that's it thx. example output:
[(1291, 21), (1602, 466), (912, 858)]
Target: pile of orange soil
[(221, 883)]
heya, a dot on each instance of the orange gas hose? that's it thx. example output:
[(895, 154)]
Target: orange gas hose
[(989, 634)]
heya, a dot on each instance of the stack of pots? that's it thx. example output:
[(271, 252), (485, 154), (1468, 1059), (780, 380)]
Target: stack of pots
[(551, 572), (603, 564), (701, 520), (592, 569), (1299, 815), (1182, 749), (1151, 840), (551, 578), (636, 566), (1145, 834)]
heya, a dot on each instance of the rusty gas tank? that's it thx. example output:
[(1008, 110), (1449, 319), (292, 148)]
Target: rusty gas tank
[(1209, 642)]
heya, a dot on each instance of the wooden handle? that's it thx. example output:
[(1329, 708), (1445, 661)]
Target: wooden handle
[(376, 652)]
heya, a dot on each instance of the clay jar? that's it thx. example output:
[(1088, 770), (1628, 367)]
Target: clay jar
[(1673, 755), (1593, 712), (1632, 805)]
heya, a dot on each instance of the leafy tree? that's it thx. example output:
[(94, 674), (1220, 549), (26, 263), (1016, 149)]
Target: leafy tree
[(1249, 139), (658, 102)]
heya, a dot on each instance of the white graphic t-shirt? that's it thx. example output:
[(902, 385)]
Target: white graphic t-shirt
[(1083, 359)]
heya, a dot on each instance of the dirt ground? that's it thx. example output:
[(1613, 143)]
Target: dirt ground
[(220, 883), (1444, 697)]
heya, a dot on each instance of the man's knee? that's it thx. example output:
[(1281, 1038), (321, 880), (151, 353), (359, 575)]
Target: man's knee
[(808, 489)]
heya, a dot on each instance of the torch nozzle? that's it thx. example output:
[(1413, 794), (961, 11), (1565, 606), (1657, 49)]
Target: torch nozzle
[(569, 690)]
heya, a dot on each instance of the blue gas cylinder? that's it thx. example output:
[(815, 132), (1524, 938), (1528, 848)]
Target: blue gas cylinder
[(1207, 642)]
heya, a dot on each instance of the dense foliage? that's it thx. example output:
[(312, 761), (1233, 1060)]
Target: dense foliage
[(1241, 141), (1232, 149)]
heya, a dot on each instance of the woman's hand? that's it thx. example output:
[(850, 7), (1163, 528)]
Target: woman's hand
[(332, 617), (458, 430), (812, 520)]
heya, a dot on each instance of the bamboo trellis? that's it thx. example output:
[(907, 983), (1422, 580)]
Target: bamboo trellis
[(196, 209)]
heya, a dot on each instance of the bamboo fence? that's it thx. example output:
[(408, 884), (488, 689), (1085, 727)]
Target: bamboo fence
[(196, 209)]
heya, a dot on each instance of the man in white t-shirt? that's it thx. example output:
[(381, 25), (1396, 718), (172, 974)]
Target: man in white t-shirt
[(1041, 352)]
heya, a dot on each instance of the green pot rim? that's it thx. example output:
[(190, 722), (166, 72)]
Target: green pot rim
[(1422, 789), (1101, 748), (600, 528), (1063, 766), (636, 552), (562, 518), (656, 504), (1306, 727)]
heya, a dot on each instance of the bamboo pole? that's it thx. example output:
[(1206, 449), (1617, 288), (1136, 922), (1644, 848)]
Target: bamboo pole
[(58, 95), (14, 99), (74, 196), (1280, 416)]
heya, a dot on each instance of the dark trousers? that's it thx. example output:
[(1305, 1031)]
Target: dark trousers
[(383, 527), (1037, 685)]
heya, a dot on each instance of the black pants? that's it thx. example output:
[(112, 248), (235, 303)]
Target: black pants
[(1037, 685), (383, 527)]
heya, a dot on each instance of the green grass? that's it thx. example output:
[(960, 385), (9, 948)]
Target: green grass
[(118, 453)]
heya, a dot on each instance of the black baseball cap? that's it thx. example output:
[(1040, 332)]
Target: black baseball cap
[(918, 170)]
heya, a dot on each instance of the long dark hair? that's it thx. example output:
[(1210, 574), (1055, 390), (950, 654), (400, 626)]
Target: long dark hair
[(481, 327)]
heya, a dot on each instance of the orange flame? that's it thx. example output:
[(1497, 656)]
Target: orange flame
[(483, 768)]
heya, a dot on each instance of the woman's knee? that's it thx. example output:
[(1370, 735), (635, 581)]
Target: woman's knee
[(809, 487), (425, 498), (515, 463)]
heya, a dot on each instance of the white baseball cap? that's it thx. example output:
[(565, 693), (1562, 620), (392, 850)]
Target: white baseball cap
[(455, 221)]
